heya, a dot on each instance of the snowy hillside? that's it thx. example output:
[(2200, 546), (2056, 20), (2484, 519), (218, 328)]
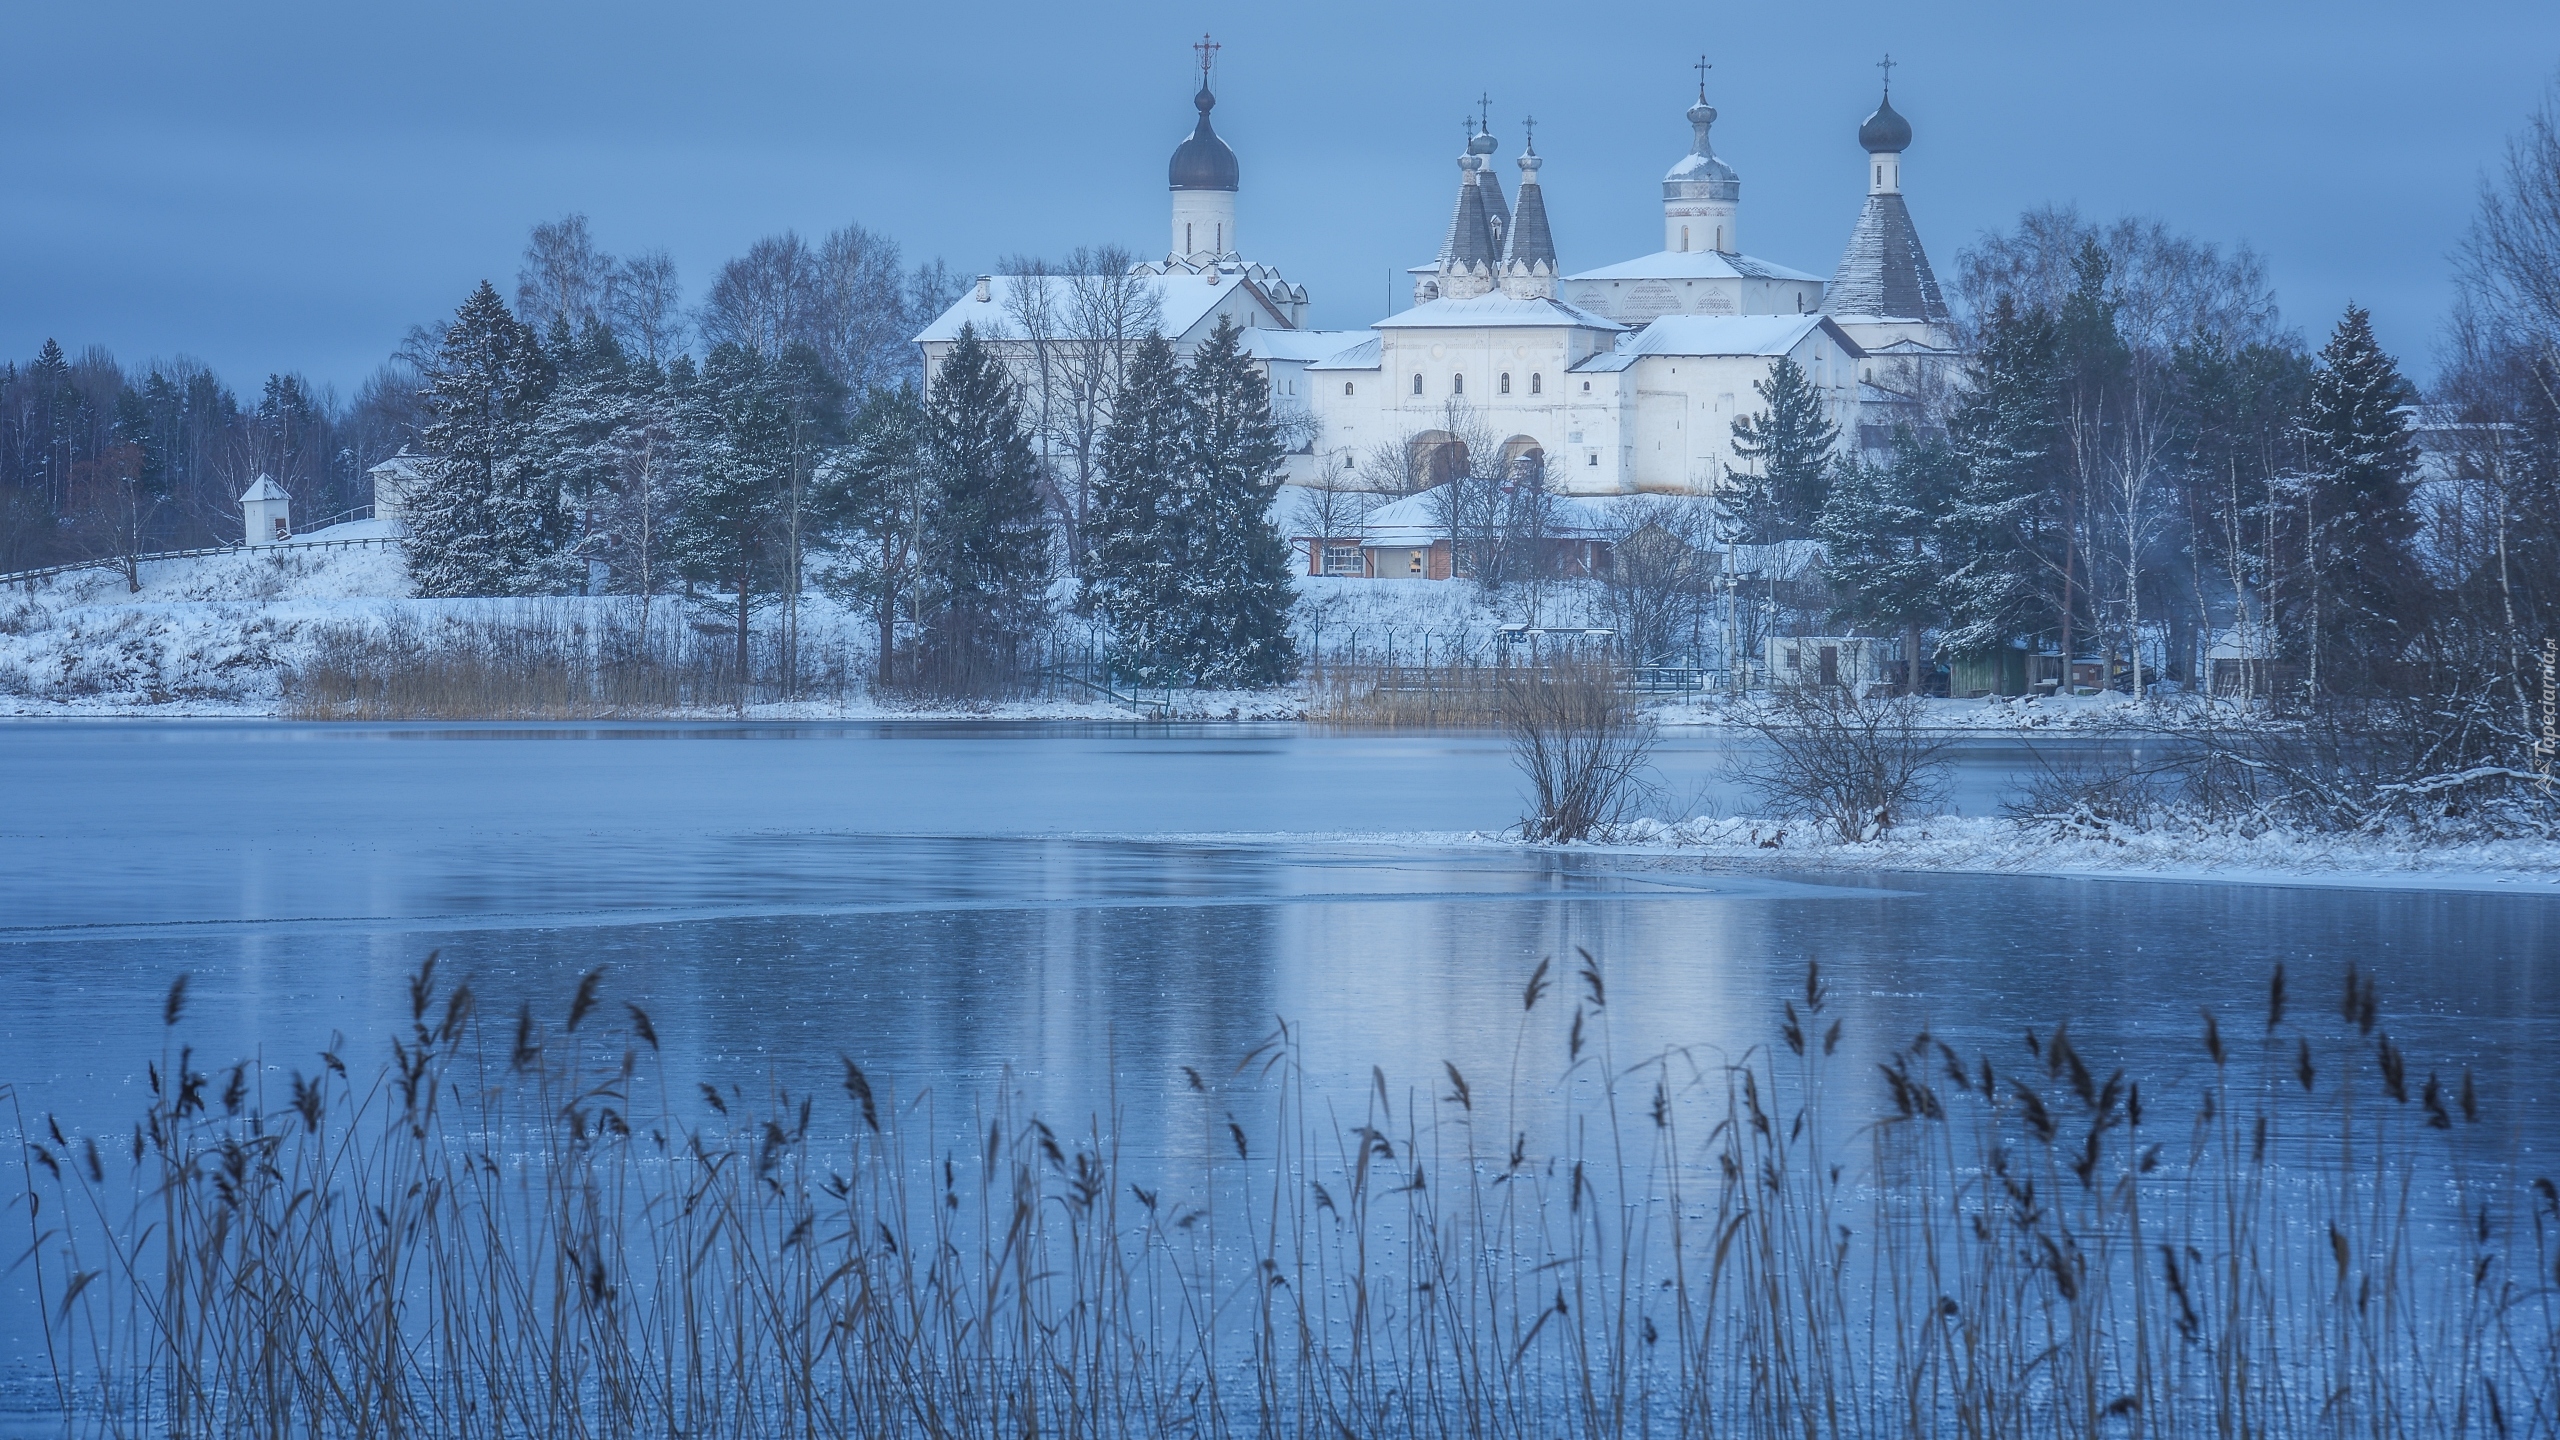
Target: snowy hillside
[(216, 635), (207, 635)]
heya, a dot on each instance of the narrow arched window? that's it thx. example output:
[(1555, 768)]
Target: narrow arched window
[(1457, 384), (1536, 386), (1684, 237), (1586, 387), (1346, 387), (1417, 382), (1186, 237), (1506, 382)]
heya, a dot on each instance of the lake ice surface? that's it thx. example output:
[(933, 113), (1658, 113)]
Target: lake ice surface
[(952, 904)]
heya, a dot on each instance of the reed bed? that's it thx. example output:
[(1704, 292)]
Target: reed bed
[(517, 660), (1387, 695), (526, 1226)]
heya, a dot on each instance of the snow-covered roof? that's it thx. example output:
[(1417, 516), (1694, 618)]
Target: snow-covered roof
[(407, 465), (1364, 355), (1693, 265), (1492, 312), (1184, 300), (1900, 345), (1708, 336), (1777, 560), (1302, 345), (1414, 520), (264, 488)]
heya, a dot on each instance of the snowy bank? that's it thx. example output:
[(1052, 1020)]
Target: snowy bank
[(1993, 845), (218, 635)]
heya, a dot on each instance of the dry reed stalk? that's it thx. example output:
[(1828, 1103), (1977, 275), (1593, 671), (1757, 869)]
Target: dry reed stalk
[(524, 1225)]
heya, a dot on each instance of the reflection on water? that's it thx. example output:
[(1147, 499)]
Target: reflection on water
[(922, 901)]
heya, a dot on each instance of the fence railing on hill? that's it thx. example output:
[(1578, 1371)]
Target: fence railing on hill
[(118, 562)]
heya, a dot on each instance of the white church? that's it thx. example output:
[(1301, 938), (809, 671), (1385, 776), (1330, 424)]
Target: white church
[(1620, 379)]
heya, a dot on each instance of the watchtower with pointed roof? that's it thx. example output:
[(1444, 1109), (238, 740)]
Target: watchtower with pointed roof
[(1884, 274)]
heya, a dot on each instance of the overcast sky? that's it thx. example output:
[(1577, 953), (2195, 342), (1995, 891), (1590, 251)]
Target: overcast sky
[(290, 186)]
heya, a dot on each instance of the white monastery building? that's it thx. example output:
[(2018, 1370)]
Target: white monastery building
[(1621, 379)]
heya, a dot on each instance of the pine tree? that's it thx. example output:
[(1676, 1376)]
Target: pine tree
[(988, 550), (738, 430), (1880, 531), (485, 520), (1998, 540), (1235, 582), (2369, 592), (1140, 545), (873, 498), (581, 439), (1789, 447)]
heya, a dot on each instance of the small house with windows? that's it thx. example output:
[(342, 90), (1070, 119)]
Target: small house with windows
[(1853, 661)]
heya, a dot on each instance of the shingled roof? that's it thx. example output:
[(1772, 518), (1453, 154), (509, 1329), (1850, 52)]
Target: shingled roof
[(1884, 273)]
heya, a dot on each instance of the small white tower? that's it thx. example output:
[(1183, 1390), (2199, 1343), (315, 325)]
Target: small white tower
[(1701, 195), (266, 512), (1204, 178)]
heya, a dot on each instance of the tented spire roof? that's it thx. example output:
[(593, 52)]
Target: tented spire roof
[(1470, 239), (1884, 273), (1530, 242)]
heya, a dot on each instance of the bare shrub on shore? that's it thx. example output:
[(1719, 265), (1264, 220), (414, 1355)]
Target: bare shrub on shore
[(2095, 795), (1581, 741), (1858, 764), (528, 1224), (2456, 762)]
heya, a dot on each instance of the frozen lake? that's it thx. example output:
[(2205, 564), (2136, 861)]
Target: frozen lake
[(1088, 908), (952, 899)]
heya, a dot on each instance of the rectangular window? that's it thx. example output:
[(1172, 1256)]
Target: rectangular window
[(1343, 560)]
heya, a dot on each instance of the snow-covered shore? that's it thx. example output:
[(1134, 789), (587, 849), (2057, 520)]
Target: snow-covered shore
[(1993, 845)]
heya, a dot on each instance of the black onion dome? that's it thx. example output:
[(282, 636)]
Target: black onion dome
[(1886, 132), (1203, 162)]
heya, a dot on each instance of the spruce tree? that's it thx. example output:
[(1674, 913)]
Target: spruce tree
[(1139, 541), (873, 497), (988, 551), (1998, 540), (2360, 526), (485, 520), (580, 441), (1235, 582), (1789, 446), (738, 439), (1880, 531)]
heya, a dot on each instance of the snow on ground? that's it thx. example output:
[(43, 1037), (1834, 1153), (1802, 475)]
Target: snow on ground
[(209, 635), (1988, 845), (214, 635), (1999, 844), (2091, 714)]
